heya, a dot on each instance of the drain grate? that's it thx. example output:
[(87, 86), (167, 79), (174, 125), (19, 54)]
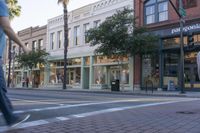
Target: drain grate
[(185, 112)]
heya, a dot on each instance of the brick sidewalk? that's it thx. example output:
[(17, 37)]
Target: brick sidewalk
[(155, 119)]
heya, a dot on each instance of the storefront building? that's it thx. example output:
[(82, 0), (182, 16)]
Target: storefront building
[(34, 38), (161, 19), (84, 69)]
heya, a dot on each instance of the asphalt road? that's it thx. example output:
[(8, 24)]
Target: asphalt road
[(55, 106)]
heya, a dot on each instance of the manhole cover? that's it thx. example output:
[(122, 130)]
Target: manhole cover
[(185, 112)]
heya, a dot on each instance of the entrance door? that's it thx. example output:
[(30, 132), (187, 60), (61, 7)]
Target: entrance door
[(86, 78), (191, 76), (114, 74), (190, 72), (71, 77)]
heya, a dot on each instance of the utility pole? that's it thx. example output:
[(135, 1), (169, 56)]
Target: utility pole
[(182, 82), (65, 11), (181, 13)]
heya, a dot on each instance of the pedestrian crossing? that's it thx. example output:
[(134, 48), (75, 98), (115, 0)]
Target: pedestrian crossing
[(87, 114)]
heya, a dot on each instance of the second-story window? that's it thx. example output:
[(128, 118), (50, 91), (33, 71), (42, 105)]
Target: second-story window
[(52, 40), (97, 23), (34, 46), (156, 11), (86, 28), (26, 44), (69, 38), (20, 50), (14, 49), (41, 43), (77, 35), (59, 39)]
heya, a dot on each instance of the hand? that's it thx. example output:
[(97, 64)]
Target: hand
[(26, 50)]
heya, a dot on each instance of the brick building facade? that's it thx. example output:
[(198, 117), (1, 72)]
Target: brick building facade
[(160, 18)]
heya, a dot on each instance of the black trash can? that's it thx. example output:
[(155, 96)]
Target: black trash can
[(115, 85)]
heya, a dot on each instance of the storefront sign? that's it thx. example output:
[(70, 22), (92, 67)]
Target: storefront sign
[(186, 28)]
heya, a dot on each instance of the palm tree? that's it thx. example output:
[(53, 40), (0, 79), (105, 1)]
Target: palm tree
[(14, 11), (65, 3)]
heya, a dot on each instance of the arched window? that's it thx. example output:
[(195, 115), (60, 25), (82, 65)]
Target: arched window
[(155, 11)]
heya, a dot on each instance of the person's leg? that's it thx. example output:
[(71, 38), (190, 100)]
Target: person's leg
[(5, 104)]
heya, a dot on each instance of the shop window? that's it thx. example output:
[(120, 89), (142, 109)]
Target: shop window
[(113, 59), (120, 72), (150, 69), (173, 42), (74, 61), (99, 75), (87, 61)]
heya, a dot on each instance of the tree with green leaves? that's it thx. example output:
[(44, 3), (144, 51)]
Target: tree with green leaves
[(14, 8), (119, 35), (14, 11), (32, 59), (65, 12)]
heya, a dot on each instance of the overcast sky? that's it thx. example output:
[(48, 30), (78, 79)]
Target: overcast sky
[(37, 12)]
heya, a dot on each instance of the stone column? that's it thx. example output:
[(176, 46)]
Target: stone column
[(47, 71), (82, 72), (91, 72), (131, 72)]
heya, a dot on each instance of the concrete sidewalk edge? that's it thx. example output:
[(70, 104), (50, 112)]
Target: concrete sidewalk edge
[(129, 92)]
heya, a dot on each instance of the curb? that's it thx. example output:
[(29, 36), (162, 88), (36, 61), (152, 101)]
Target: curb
[(112, 92)]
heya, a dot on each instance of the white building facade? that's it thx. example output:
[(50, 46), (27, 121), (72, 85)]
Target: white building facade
[(85, 70)]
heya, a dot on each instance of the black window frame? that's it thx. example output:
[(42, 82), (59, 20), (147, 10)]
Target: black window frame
[(156, 12)]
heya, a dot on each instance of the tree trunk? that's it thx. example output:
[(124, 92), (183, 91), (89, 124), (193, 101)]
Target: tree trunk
[(65, 45)]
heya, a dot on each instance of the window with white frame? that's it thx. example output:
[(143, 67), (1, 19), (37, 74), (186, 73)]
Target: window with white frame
[(69, 38), (97, 23), (26, 44), (52, 40), (156, 11), (86, 28), (34, 46), (77, 35), (41, 43), (60, 39)]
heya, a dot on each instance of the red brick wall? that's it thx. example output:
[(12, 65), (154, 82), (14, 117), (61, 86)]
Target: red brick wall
[(137, 70), (192, 14)]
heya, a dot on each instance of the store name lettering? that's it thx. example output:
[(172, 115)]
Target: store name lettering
[(186, 28)]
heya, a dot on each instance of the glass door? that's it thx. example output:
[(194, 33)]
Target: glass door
[(190, 71), (115, 74)]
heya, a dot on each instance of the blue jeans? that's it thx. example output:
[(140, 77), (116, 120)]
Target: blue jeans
[(5, 104)]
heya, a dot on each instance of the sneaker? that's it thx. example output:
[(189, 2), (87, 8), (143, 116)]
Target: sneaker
[(19, 120)]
